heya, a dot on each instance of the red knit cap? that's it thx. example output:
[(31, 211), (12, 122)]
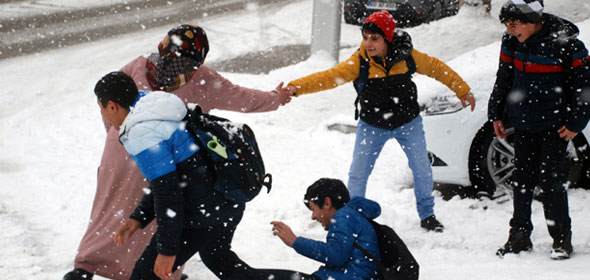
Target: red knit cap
[(385, 21)]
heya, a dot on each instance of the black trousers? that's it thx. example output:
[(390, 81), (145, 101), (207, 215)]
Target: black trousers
[(539, 161), (213, 245)]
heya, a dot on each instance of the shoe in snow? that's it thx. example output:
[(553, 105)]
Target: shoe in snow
[(183, 277), (518, 241), (562, 246), (432, 224), (78, 274)]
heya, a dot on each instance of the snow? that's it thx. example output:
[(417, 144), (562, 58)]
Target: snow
[(52, 139)]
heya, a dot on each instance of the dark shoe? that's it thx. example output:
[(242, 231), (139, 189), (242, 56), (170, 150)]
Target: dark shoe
[(183, 277), (562, 246), (518, 241), (78, 274), (432, 224)]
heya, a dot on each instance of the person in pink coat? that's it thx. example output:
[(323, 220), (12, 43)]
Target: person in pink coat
[(176, 68)]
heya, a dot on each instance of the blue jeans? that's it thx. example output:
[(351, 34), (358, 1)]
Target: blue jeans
[(368, 145)]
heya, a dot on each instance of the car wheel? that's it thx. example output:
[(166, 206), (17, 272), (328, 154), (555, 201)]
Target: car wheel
[(491, 162)]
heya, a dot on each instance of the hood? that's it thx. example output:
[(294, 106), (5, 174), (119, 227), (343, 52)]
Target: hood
[(368, 208), (557, 28), (155, 106), (401, 46), (399, 49)]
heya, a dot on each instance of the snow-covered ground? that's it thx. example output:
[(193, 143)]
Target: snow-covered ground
[(51, 139)]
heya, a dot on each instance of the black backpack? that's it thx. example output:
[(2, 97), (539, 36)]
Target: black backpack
[(232, 152), (397, 263)]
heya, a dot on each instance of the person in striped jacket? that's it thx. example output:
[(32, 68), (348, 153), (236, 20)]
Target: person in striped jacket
[(542, 89)]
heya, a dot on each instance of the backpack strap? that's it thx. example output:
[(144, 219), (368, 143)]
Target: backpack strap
[(411, 64), (360, 82), (367, 254), (372, 258)]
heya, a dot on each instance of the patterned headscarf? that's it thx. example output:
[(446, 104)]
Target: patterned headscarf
[(181, 52)]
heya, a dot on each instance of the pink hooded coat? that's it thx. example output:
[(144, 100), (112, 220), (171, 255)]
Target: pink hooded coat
[(120, 184)]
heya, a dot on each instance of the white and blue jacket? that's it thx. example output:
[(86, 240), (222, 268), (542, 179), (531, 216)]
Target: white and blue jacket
[(342, 260), (154, 135), (181, 194)]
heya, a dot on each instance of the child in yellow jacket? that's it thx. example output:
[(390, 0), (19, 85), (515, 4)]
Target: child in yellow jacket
[(382, 71)]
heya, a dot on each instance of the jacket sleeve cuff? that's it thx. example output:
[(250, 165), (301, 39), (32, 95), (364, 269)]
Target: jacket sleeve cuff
[(462, 90), (143, 220), (574, 126)]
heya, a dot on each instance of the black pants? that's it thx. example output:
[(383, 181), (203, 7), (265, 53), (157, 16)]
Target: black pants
[(213, 245), (278, 274), (539, 161)]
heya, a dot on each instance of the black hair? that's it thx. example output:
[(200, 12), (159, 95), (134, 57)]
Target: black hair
[(511, 12), (326, 187), (118, 87), (373, 28)]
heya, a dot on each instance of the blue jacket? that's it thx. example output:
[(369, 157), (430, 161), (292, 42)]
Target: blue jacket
[(341, 259), (180, 194), (532, 87)]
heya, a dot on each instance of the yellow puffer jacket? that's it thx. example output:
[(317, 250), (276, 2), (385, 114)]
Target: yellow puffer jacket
[(349, 70)]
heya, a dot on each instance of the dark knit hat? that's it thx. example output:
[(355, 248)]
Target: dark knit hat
[(384, 20), (118, 87), (186, 41), (525, 11)]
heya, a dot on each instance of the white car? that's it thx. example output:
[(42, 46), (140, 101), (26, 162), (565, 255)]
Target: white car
[(465, 151)]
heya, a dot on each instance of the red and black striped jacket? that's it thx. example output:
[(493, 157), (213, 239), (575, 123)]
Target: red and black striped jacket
[(543, 83)]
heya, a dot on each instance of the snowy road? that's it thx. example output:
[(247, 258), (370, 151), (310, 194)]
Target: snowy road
[(32, 26)]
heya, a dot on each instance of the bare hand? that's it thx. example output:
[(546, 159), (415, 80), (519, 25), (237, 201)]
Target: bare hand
[(163, 266), (566, 134), (292, 89), (284, 232), (125, 231), (499, 129), (285, 95), (468, 100)]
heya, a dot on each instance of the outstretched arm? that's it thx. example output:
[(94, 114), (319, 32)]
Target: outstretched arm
[(440, 71)]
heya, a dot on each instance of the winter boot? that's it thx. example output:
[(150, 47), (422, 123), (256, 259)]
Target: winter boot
[(78, 274), (183, 277), (562, 246), (518, 241), (432, 224)]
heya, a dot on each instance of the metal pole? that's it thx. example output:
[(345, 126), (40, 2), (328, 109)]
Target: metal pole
[(325, 35)]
